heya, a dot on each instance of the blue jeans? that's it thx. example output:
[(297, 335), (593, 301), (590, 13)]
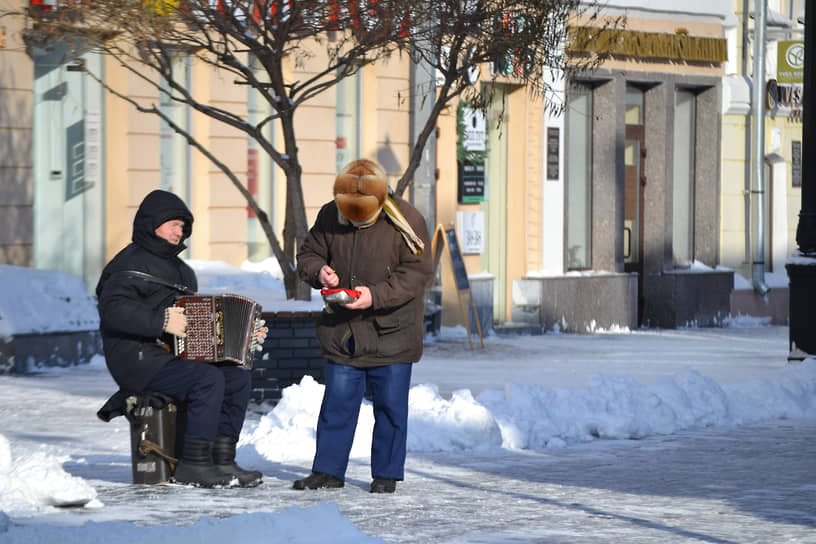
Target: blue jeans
[(215, 397), (345, 387)]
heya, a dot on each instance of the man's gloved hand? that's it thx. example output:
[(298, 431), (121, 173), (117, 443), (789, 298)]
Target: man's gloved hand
[(260, 333), (175, 322)]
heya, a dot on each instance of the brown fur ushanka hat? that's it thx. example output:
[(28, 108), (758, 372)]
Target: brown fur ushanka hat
[(360, 190)]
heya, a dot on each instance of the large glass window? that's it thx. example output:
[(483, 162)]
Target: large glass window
[(685, 121), (348, 120), (174, 150), (261, 172), (579, 176), (633, 194)]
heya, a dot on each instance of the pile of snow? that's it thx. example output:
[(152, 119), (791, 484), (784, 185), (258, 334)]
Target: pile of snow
[(38, 480), (261, 281), (43, 301), (532, 417)]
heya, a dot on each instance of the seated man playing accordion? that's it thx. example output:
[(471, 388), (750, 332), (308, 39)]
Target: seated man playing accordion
[(138, 320)]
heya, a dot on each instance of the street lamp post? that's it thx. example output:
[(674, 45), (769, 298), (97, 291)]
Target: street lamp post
[(802, 264)]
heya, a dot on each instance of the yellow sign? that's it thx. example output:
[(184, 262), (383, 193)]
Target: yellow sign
[(2, 36), (162, 7), (630, 43), (790, 61)]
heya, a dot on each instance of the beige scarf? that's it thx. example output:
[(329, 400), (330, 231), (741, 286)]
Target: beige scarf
[(415, 243)]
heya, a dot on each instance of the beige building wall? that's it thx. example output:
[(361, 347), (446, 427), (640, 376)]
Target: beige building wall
[(784, 200), (220, 229), (392, 97), (16, 146), (733, 243), (519, 185), (223, 207), (315, 126), (520, 238), (446, 208)]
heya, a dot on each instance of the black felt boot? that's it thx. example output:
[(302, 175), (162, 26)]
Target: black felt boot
[(224, 459), (318, 480), (383, 485), (196, 466)]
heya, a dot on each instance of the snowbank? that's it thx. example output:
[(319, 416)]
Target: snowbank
[(532, 417), (43, 301)]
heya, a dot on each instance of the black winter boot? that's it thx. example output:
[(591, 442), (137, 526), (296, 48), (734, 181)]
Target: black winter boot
[(196, 466), (318, 480), (224, 459), (383, 485)]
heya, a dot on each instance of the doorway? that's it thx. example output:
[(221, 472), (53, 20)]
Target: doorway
[(634, 183), (68, 163)]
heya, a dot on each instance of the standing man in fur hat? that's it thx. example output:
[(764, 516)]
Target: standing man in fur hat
[(373, 243)]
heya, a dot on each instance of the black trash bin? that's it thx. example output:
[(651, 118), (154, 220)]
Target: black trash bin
[(802, 323)]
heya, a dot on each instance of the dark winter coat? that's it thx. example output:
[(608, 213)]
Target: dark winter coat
[(391, 330), (131, 309)]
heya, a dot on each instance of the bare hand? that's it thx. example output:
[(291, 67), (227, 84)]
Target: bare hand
[(175, 322), (328, 277), (363, 301)]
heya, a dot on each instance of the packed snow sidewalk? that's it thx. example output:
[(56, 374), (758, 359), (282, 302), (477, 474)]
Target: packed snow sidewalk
[(695, 435), (650, 436)]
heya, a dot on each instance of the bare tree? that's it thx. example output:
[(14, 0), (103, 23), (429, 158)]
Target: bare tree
[(258, 41)]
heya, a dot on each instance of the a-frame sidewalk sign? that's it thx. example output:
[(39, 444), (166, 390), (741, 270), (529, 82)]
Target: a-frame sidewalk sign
[(446, 236)]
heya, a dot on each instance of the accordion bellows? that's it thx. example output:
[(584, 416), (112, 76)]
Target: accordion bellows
[(220, 329)]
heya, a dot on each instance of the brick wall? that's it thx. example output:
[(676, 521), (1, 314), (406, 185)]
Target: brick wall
[(290, 352)]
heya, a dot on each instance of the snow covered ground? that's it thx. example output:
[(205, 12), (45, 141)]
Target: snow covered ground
[(693, 435)]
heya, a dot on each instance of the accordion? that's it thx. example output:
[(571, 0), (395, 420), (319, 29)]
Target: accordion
[(220, 329)]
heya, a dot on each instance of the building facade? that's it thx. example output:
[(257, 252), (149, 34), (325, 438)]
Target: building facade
[(778, 194), (620, 212), (629, 225)]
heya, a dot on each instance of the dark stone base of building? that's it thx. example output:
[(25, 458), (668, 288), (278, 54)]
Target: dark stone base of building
[(26, 353), (679, 298), (609, 301), (577, 304)]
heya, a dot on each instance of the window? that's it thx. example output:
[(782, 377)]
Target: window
[(261, 171), (174, 150), (348, 120), (579, 176), (633, 194), (685, 121)]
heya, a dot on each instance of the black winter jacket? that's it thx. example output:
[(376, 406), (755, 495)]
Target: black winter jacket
[(131, 309)]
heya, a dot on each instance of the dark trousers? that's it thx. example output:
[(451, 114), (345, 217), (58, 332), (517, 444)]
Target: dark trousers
[(345, 387), (215, 397)]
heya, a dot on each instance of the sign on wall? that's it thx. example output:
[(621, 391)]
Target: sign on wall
[(552, 153), (475, 129), (471, 182), (471, 135), (789, 97), (796, 163), (75, 182), (790, 61), (470, 225)]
